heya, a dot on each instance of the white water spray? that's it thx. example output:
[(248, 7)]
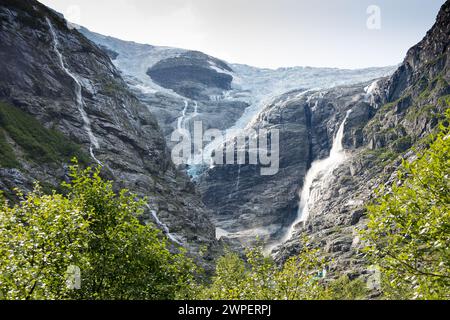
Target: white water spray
[(79, 98), (163, 226), (316, 179), (181, 120), (195, 109)]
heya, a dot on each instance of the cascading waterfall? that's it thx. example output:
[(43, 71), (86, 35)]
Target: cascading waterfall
[(316, 179), (163, 226), (79, 98), (321, 169), (195, 109), (181, 120), (183, 123)]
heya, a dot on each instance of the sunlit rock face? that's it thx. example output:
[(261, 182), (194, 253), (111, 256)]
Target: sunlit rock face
[(181, 86), (389, 118), (250, 206)]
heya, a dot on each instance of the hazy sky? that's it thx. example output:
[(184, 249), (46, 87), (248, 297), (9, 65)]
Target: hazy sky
[(266, 33)]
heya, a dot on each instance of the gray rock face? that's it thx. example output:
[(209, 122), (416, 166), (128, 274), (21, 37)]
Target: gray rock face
[(249, 205), (388, 118), (389, 115), (177, 85), (190, 75), (128, 140)]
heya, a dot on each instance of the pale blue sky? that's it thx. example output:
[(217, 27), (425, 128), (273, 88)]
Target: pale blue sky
[(264, 33)]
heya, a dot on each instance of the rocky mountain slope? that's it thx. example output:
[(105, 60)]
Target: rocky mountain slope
[(343, 133), (179, 86), (61, 96), (390, 120), (182, 85), (382, 121), (265, 206)]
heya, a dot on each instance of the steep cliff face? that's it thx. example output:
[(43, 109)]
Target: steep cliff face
[(250, 205), (178, 86), (192, 74), (389, 117), (56, 83), (382, 121)]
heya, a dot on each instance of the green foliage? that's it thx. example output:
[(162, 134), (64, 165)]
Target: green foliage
[(39, 239), (409, 227), (258, 277), (7, 156), (444, 101), (300, 277), (94, 229), (428, 111), (345, 289), (37, 142), (387, 155)]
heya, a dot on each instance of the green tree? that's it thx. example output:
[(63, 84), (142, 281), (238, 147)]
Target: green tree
[(94, 229), (39, 238), (300, 278), (345, 289), (409, 226), (258, 277)]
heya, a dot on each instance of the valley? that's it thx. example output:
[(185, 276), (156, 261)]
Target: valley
[(342, 135)]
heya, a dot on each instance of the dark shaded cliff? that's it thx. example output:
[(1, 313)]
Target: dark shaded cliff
[(67, 99)]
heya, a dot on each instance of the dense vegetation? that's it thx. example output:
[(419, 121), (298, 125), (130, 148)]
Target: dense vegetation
[(409, 227), (45, 239), (300, 278), (36, 142)]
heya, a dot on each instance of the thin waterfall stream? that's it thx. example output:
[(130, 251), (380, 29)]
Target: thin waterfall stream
[(78, 94)]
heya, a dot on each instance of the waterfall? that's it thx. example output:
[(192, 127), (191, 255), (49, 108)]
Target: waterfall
[(371, 91), (238, 180), (320, 170), (79, 98), (163, 226), (181, 120), (317, 178), (195, 109)]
